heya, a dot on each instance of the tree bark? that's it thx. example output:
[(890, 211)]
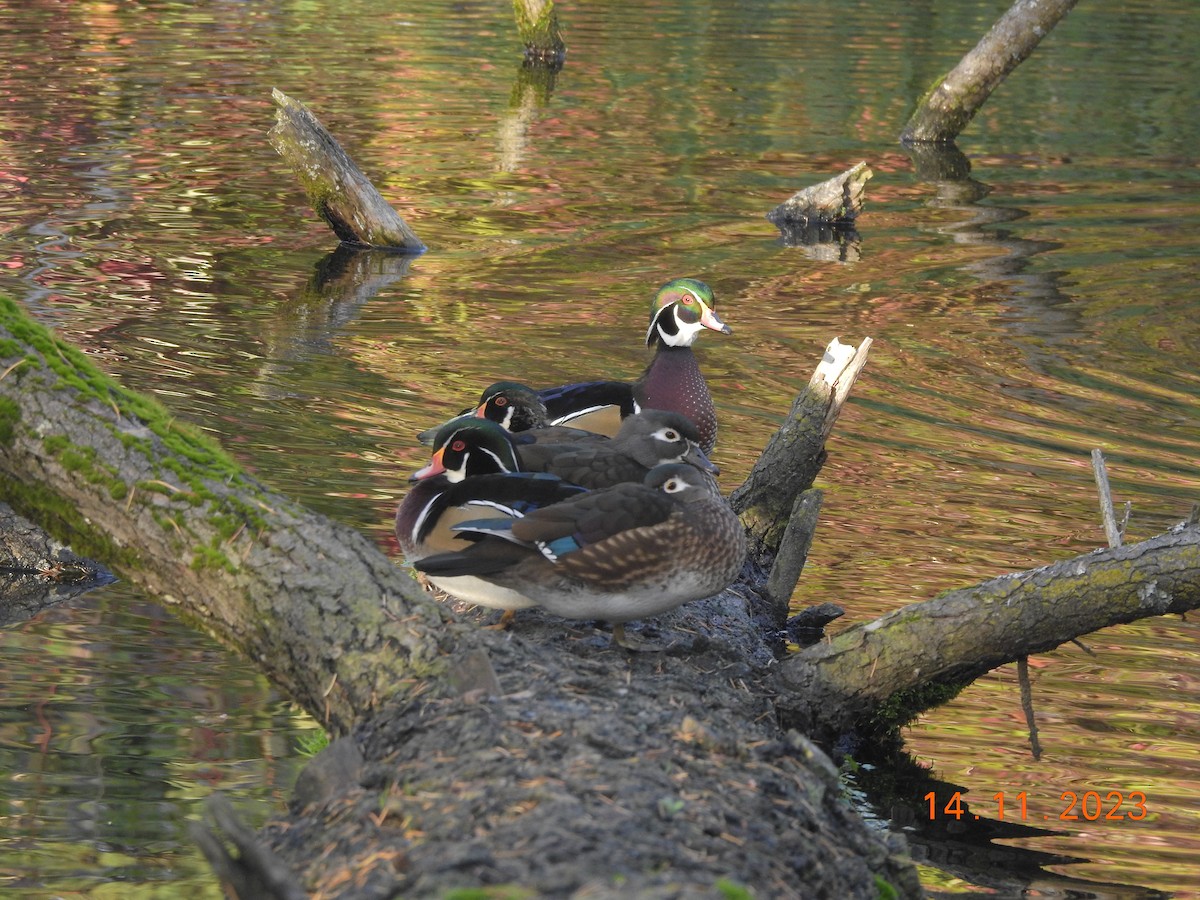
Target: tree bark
[(793, 457), (337, 189), (953, 101), (917, 651)]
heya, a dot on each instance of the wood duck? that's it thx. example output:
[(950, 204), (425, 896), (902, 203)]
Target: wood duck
[(681, 310), (648, 439), (474, 475), (626, 552), (468, 446), (517, 407)]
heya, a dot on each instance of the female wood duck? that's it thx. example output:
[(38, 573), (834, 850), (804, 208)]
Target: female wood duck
[(469, 445), (625, 552), (681, 310), (648, 439)]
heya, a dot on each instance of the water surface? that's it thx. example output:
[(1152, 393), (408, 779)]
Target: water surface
[(145, 216)]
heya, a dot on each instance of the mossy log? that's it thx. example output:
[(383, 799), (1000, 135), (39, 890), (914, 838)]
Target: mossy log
[(337, 189), (952, 102), (537, 24), (546, 758), (329, 619)]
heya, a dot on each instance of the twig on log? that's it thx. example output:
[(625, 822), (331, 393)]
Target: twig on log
[(951, 103), (537, 23), (337, 189), (1111, 531)]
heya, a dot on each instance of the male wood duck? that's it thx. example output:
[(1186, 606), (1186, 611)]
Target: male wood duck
[(681, 310), (475, 476), (517, 407), (626, 552), (468, 446)]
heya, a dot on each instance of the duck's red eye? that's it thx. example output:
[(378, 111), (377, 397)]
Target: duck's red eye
[(689, 299), (501, 401), (459, 445)]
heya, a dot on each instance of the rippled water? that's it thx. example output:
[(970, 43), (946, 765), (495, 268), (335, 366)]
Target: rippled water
[(145, 215)]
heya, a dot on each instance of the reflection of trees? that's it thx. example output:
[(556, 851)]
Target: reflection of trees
[(531, 92), (1046, 310)]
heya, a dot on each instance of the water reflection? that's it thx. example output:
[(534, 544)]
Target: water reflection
[(1044, 309), (147, 218)]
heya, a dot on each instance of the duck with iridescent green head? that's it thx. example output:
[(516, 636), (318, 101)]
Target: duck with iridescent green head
[(681, 311)]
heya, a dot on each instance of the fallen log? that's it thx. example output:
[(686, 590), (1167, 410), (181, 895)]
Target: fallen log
[(337, 189), (545, 757), (952, 102)]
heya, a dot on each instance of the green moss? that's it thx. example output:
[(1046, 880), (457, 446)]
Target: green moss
[(904, 706), (311, 743), (492, 892), (10, 417), (60, 518), (885, 889), (77, 371), (731, 890), (212, 556), (10, 348)]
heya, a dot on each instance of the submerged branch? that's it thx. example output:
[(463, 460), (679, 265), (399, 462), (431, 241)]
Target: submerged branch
[(951, 103), (337, 189)]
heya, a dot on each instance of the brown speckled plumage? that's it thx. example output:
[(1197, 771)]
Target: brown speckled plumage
[(626, 552)]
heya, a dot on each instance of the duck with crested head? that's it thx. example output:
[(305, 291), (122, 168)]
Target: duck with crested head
[(478, 471), (474, 474), (517, 408), (644, 441), (682, 309), (626, 552)]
